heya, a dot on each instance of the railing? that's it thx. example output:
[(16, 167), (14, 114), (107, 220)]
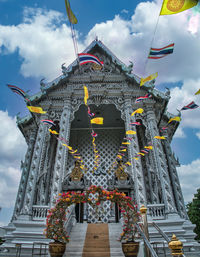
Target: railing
[(70, 218), (39, 212), (156, 211), (160, 248), (162, 233), (153, 253)]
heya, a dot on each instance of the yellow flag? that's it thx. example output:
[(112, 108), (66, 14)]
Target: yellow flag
[(177, 118), (71, 16), (69, 147), (123, 150), (149, 78), (119, 156), (158, 137), (53, 132), (198, 92), (126, 143), (141, 154), (130, 132), (128, 163), (149, 147), (98, 121), (86, 95), (74, 151), (35, 109), (176, 6), (139, 110), (77, 157)]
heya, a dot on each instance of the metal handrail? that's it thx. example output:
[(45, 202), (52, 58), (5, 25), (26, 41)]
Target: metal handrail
[(153, 253), (161, 232)]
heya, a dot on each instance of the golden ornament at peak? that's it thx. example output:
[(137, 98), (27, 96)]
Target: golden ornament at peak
[(143, 209), (176, 246)]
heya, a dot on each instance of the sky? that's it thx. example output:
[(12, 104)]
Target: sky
[(35, 39)]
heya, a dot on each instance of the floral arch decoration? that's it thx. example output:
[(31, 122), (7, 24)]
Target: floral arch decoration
[(93, 196)]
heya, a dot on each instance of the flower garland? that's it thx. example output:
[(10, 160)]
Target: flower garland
[(57, 215)]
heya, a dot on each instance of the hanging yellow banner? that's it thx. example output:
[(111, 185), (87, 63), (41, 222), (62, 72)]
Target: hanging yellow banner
[(98, 121)]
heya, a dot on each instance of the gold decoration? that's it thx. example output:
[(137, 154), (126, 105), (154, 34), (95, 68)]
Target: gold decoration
[(120, 173), (143, 209), (76, 173), (175, 5), (96, 67), (176, 246)]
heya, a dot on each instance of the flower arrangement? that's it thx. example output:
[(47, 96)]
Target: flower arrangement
[(130, 218), (57, 215)]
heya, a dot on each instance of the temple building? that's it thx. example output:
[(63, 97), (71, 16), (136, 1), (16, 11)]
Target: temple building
[(48, 169)]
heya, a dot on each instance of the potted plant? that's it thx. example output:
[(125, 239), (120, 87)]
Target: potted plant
[(54, 230), (131, 216)]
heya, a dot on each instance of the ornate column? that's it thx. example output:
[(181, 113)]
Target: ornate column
[(159, 162), (176, 187), (25, 168), (34, 168), (62, 152), (133, 149)]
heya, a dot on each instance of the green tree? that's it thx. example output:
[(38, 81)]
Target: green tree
[(193, 210)]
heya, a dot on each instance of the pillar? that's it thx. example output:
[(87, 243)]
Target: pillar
[(62, 151), (133, 149), (159, 162), (34, 169), (25, 168)]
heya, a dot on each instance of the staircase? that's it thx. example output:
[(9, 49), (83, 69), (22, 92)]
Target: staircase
[(182, 229), (115, 229), (77, 240)]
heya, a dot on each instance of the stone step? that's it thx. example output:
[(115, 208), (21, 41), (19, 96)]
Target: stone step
[(77, 238)]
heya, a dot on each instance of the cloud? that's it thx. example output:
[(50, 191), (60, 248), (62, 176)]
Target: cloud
[(189, 179), (198, 134), (12, 151), (42, 41), (183, 95), (179, 133), (135, 39)]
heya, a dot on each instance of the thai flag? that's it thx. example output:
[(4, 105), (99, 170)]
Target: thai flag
[(145, 151), (49, 122), (18, 91), (93, 134), (141, 98), (135, 123), (157, 53), (86, 58), (91, 114), (191, 105)]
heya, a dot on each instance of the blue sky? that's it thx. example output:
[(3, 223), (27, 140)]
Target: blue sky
[(35, 39)]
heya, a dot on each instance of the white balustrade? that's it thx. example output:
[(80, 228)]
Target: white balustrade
[(156, 211), (39, 212)]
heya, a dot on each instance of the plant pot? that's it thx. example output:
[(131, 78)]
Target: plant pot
[(130, 249), (57, 249)]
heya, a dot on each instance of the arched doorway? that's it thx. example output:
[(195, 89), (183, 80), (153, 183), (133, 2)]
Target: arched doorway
[(56, 217), (108, 141)]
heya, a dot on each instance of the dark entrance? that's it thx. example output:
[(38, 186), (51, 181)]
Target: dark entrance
[(117, 210), (79, 211)]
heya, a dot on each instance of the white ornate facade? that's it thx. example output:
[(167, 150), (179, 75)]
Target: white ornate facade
[(152, 180)]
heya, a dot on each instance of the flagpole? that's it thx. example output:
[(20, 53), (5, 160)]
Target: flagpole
[(145, 65), (74, 41), (71, 18)]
